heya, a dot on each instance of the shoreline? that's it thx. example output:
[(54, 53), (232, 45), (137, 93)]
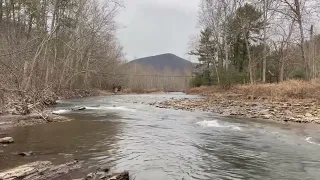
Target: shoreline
[(233, 105), (13, 119), (43, 170)]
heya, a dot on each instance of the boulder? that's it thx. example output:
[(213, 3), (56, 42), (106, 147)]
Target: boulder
[(6, 140)]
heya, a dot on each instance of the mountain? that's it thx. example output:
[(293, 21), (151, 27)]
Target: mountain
[(160, 62)]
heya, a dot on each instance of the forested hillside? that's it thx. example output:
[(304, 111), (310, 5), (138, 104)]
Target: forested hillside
[(164, 72), (162, 61)]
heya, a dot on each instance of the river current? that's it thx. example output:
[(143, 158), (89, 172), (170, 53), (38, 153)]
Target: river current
[(125, 132)]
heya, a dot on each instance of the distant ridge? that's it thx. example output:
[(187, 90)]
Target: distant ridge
[(160, 62)]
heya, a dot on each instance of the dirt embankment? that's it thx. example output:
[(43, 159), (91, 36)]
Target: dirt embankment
[(291, 101)]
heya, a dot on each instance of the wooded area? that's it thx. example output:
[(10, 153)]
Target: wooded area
[(58, 45), (257, 41)]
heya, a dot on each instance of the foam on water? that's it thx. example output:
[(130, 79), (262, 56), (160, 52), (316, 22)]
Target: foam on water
[(61, 111), (215, 124), (120, 108), (308, 139)]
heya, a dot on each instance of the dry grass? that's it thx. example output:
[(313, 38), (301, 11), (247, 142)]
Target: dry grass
[(292, 89)]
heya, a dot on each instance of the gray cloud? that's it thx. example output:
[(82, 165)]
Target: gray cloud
[(153, 27)]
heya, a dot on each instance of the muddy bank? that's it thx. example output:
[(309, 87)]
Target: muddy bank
[(300, 111), (43, 170)]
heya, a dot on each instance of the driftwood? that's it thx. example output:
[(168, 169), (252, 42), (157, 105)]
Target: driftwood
[(40, 170)]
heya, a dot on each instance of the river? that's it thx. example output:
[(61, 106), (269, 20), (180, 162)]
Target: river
[(126, 133)]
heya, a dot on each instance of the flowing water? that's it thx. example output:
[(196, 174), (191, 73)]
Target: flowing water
[(126, 133)]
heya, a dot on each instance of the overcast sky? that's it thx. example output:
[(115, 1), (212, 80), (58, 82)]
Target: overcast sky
[(152, 27)]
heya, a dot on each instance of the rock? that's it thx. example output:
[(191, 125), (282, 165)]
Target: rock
[(24, 170), (267, 116), (288, 112), (308, 115), (79, 108), (89, 176), (102, 175), (299, 116), (39, 170), (120, 176), (25, 153), (104, 168), (6, 140)]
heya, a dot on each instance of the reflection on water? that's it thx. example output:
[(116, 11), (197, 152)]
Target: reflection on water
[(159, 144)]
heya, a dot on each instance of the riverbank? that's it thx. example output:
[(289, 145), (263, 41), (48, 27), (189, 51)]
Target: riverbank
[(23, 109), (30, 108), (292, 101), (43, 170), (10, 121)]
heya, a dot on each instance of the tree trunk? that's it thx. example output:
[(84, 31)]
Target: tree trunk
[(281, 78), (264, 65), (312, 53), (303, 55), (87, 72), (30, 26), (25, 74), (48, 67), (249, 59), (1, 10), (226, 49)]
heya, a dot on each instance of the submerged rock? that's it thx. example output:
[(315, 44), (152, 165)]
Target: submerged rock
[(79, 108), (25, 153), (6, 140), (104, 168)]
